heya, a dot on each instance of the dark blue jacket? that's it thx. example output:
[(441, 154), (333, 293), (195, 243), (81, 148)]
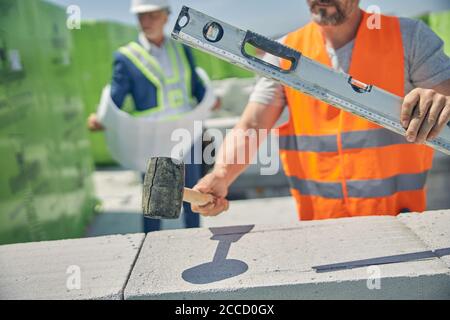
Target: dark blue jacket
[(128, 79)]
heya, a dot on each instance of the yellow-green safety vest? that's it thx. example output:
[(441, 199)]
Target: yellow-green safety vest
[(174, 94)]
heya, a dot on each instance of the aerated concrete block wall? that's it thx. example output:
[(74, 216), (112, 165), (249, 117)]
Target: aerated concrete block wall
[(95, 268), (46, 191), (241, 262)]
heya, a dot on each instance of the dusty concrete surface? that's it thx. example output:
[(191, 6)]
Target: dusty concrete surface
[(265, 261), (50, 270), (432, 227), (275, 262)]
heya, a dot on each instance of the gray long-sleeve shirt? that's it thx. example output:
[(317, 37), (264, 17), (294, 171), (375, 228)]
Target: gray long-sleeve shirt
[(426, 64)]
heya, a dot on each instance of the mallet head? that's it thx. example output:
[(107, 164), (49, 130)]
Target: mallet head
[(162, 196)]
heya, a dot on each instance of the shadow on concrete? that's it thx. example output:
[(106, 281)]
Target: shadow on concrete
[(220, 268), (415, 256)]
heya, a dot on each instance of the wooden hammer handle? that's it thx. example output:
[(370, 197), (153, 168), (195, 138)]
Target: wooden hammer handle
[(196, 197)]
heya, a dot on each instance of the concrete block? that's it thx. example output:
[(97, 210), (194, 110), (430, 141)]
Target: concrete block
[(276, 262), (432, 227), (49, 270)]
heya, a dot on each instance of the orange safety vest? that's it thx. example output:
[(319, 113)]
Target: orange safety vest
[(340, 165)]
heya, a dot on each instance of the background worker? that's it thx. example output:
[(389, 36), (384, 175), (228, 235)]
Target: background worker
[(340, 165), (159, 73)]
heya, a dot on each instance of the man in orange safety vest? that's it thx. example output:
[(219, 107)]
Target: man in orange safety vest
[(340, 165)]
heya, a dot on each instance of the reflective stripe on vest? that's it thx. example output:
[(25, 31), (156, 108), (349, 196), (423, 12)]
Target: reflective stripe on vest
[(340, 165), (174, 97), (361, 188), (350, 140)]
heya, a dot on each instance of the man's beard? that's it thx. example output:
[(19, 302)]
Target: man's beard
[(323, 18)]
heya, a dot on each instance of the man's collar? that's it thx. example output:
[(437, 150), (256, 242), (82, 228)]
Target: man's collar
[(145, 43)]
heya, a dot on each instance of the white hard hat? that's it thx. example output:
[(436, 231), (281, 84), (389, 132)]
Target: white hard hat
[(141, 6)]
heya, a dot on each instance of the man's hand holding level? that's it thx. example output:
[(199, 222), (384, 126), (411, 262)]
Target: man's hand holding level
[(424, 114)]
